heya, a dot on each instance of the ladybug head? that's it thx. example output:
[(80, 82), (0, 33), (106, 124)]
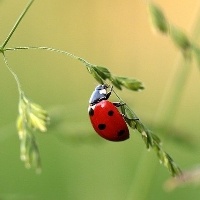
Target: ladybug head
[(99, 94)]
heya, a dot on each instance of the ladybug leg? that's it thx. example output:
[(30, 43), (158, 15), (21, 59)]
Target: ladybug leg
[(128, 120), (109, 93), (125, 117), (118, 104)]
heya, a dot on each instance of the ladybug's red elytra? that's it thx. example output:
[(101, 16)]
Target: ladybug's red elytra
[(106, 119)]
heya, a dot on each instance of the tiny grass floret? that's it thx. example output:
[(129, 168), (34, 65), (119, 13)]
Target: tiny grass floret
[(158, 18), (29, 152), (31, 117)]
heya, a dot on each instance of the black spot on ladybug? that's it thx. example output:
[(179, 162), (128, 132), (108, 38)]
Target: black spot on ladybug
[(110, 112), (91, 112), (101, 126), (121, 132)]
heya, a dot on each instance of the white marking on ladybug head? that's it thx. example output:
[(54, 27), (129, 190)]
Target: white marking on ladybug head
[(103, 91)]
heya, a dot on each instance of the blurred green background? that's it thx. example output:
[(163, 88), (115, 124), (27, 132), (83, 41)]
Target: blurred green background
[(76, 163)]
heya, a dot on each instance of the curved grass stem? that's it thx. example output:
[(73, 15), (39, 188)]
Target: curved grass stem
[(14, 75), (50, 49)]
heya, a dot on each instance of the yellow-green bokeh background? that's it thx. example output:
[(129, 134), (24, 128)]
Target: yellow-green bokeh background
[(77, 164)]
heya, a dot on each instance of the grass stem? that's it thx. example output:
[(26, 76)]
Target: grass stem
[(14, 75), (171, 99), (16, 24), (144, 174)]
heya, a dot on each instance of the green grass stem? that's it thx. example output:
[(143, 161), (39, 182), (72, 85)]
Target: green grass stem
[(16, 24), (172, 95), (141, 186), (143, 175)]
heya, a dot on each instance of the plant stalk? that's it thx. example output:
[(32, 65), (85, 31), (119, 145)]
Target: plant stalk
[(14, 75), (143, 177), (142, 182), (16, 24), (167, 110), (171, 99)]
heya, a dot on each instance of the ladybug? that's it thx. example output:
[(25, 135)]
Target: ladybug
[(106, 119)]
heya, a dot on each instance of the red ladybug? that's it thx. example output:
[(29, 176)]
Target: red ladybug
[(106, 120)]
